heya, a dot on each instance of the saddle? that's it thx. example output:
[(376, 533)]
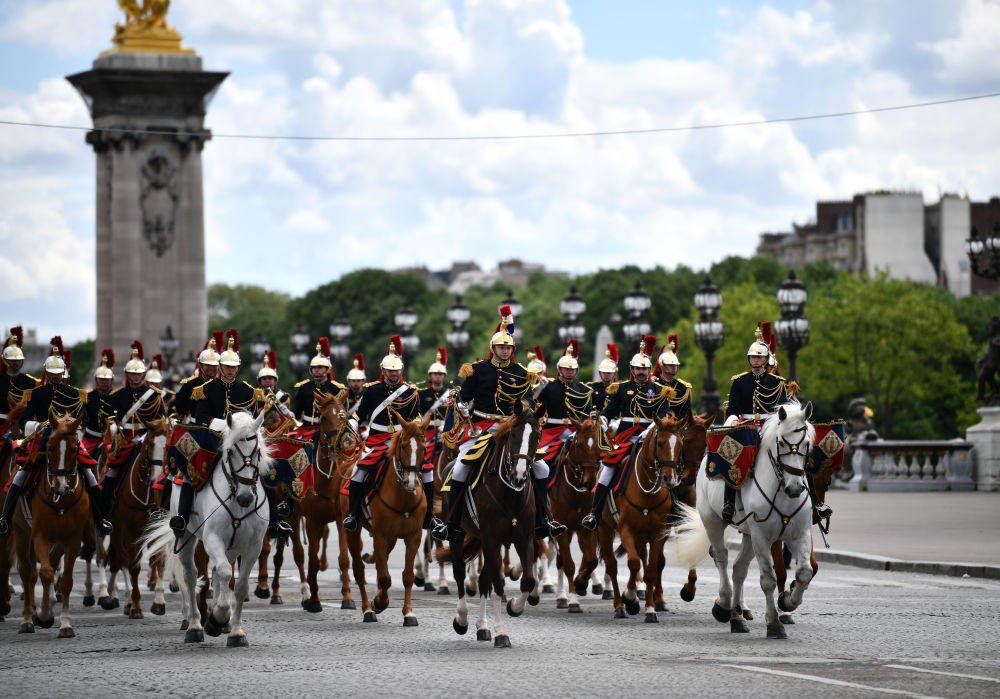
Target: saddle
[(731, 453)]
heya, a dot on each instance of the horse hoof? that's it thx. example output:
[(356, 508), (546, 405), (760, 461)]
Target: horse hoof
[(174, 587), (67, 632), (641, 594), (747, 614), (483, 635), (459, 628), (194, 636), (378, 607), (620, 613), (720, 613), (738, 626), (151, 586), (785, 603), (502, 641), (661, 607), (89, 601), (135, 614), (597, 589), (410, 621), (562, 603), (548, 588), (575, 608), (607, 594), (443, 590), (776, 631), (651, 618), (212, 627), (687, 595), (632, 607), (158, 609), (184, 625), (348, 604), (785, 618), (312, 607), (261, 592), (429, 587), (510, 609), (533, 601), (370, 616), (580, 587), (276, 599), (43, 623), (27, 627), (419, 582), (367, 558), (127, 609), (115, 603), (106, 603), (237, 642)]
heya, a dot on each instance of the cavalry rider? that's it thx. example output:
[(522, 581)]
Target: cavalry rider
[(13, 384), (491, 389), (278, 416), (99, 406), (608, 372), (355, 384), (666, 367), (630, 408), (383, 404), (132, 403), (435, 400), (154, 377), (57, 396), (304, 404), (183, 407), (563, 399), (538, 370)]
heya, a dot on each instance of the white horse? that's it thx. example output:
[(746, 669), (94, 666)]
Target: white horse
[(230, 517), (773, 504)]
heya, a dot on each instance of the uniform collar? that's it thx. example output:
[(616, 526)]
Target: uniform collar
[(496, 362)]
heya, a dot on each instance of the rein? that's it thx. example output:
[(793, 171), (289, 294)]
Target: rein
[(399, 470), (779, 468), (657, 482)]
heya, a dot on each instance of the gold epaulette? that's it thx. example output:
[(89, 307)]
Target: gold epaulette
[(736, 376), (190, 378), (465, 371), (792, 388), (339, 385), (667, 392), (26, 395), (259, 395), (613, 388), (303, 382), (685, 383), (371, 383), (34, 378), (82, 393), (198, 392)]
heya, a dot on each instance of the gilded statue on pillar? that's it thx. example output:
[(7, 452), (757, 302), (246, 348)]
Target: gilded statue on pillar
[(146, 29)]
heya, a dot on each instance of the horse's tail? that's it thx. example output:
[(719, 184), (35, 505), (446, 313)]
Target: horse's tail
[(688, 544), (157, 537), (471, 549)]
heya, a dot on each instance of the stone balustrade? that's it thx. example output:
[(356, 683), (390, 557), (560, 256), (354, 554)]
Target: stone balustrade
[(887, 465)]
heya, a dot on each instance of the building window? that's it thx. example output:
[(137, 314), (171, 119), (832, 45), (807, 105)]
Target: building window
[(845, 222)]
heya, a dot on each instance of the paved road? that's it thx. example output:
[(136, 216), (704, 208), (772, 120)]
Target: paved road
[(859, 633)]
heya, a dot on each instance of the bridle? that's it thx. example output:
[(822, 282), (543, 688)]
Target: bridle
[(780, 469), (506, 462), (579, 466), (331, 440), (658, 465), (69, 472)]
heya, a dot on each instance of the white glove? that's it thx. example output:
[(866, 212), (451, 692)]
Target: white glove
[(615, 423), (30, 427), (463, 408), (353, 423), (731, 420), (604, 423)]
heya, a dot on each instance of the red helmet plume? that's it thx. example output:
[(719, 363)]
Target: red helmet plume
[(573, 347), (218, 338), (324, 345), (109, 355), (360, 359), (137, 346), (397, 345), (56, 341), (272, 358), (17, 332), (537, 351), (231, 334), (613, 352), (649, 345), (443, 353)]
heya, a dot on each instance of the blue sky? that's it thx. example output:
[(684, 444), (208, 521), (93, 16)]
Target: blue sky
[(500, 67)]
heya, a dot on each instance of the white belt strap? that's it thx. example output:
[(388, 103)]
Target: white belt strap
[(138, 404)]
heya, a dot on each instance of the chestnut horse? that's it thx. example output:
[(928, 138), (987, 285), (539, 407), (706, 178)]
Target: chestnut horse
[(644, 505), (446, 454), (572, 497), (8, 466), (397, 509), (60, 508)]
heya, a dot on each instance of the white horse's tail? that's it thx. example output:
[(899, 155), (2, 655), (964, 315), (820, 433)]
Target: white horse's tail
[(159, 537), (688, 543)]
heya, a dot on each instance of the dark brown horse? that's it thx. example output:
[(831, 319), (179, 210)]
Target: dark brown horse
[(8, 467), (504, 515), (572, 498), (59, 509), (446, 454), (644, 503)]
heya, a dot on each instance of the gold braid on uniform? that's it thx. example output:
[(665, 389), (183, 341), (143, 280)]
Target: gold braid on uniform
[(510, 389), (645, 407), (149, 410), (401, 403), (73, 407), (579, 404), (760, 397), (678, 398), (232, 407)]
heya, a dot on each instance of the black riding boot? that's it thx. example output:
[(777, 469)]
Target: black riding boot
[(355, 497), (97, 509), (168, 483), (107, 496), (453, 529), (180, 520), (276, 529), (544, 527), (729, 504), (593, 520), (429, 495), (821, 511), (8, 507)]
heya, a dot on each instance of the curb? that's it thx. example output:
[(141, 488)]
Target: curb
[(863, 560)]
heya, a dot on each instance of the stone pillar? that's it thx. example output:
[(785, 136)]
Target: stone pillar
[(985, 438), (601, 342), (148, 111)]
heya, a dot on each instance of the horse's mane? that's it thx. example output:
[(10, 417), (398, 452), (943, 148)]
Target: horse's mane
[(504, 428), (243, 427), (773, 424)]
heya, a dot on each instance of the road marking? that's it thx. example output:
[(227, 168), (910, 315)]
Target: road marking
[(941, 672), (825, 680)]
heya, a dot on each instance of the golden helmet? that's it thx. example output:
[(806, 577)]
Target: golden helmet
[(640, 360), (12, 348), (213, 348), (758, 348), (270, 361), (609, 365), (668, 355), (392, 360), (135, 364), (536, 362), (322, 357), (438, 367), (568, 358), (154, 374), (357, 372), (501, 336), (104, 371), (231, 357), (54, 363)]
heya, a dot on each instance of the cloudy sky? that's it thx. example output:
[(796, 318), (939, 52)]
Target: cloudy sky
[(294, 214)]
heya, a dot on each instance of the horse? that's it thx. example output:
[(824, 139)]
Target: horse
[(8, 466), (397, 508), (774, 505), (504, 515), (136, 502), (694, 433), (230, 517), (644, 503), (422, 573), (571, 497), (59, 509), (322, 504), (298, 554)]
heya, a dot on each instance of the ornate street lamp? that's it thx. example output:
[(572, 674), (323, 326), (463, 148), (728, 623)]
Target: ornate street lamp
[(572, 308), (974, 248), (637, 302), (168, 348), (709, 335), (457, 339), (515, 310), (189, 364), (793, 328), (299, 358), (340, 331), (258, 348), (406, 320)]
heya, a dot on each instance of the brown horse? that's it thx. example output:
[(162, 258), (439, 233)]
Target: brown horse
[(397, 510), (644, 504), (322, 504), (59, 509), (298, 553), (572, 497), (137, 500), (8, 467), (446, 455)]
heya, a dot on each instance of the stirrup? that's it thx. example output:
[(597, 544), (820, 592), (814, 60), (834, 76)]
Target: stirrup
[(283, 510), (278, 530), (727, 514), (350, 523), (178, 524), (590, 522), (821, 516), (104, 527), (555, 528)]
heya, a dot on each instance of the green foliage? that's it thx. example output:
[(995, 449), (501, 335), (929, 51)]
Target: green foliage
[(252, 310), (82, 355)]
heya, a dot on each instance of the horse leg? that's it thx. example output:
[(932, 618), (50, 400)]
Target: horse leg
[(237, 636), (544, 557), (279, 559), (136, 609), (46, 573), (189, 588), (65, 587), (689, 588), (222, 574), (344, 562), (383, 580), (529, 584), (472, 584), (442, 576), (461, 621), (569, 570), (354, 542), (88, 582), (262, 591), (562, 579), (420, 564), (607, 537), (651, 573), (101, 563), (156, 562), (804, 572), (631, 596), (26, 567), (312, 603), (412, 549), (587, 541), (768, 583)]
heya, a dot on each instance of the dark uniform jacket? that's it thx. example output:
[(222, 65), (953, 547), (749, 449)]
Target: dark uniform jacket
[(99, 408), (428, 397), (494, 386), (304, 402), (600, 397), (752, 394), (680, 403), (636, 403), (216, 399), (182, 405), (125, 397), (62, 399), (563, 401), (352, 399), (12, 390), (406, 404)]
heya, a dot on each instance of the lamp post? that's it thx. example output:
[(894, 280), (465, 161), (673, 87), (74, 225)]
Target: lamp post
[(406, 320), (340, 331), (986, 266), (572, 308), (637, 302), (168, 348), (258, 348), (793, 328), (457, 339), (515, 311), (709, 334), (189, 364), (299, 359)]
